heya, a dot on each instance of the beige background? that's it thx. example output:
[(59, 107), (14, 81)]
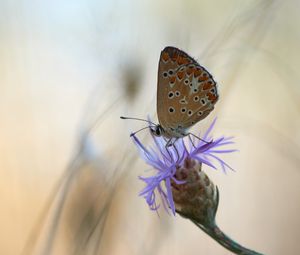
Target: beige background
[(68, 186)]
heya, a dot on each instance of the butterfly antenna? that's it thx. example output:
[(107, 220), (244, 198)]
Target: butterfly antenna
[(129, 118), (132, 134)]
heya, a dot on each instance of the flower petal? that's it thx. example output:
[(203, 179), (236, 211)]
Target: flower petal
[(165, 161)]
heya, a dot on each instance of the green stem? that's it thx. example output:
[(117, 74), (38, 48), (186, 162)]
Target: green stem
[(218, 235)]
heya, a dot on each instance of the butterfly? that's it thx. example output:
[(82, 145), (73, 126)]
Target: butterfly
[(186, 94)]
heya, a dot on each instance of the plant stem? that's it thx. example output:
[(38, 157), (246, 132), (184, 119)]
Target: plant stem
[(218, 235)]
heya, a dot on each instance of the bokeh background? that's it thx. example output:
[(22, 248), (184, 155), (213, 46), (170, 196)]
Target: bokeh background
[(68, 169)]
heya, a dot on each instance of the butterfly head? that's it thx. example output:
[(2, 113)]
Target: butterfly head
[(157, 130)]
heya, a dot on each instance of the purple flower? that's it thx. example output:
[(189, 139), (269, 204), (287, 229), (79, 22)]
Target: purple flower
[(165, 161)]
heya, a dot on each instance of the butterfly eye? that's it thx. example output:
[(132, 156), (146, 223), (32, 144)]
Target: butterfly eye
[(190, 112), (165, 74), (186, 81), (171, 95), (203, 101), (171, 110), (200, 113), (195, 90), (177, 93), (183, 109), (158, 131), (212, 91)]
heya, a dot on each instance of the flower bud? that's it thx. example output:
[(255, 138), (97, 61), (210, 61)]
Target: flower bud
[(196, 198)]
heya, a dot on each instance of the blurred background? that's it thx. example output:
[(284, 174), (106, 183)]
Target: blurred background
[(68, 169)]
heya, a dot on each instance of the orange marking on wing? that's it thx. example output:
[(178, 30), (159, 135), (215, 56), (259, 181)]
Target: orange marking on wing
[(207, 85), (185, 61), (180, 75), (180, 60), (172, 79), (174, 57), (214, 100), (165, 56), (201, 79), (197, 73), (211, 97), (190, 70)]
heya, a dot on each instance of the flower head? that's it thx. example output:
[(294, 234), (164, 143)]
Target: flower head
[(168, 160)]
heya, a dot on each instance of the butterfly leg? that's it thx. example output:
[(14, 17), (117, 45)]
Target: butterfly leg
[(191, 140), (177, 153), (168, 144), (199, 138), (171, 142)]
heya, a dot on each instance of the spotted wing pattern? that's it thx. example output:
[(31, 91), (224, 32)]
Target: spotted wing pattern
[(186, 92)]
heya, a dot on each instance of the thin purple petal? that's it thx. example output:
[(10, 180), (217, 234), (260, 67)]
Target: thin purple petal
[(165, 160)]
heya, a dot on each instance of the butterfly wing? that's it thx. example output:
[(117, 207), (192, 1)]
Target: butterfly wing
[(186, 91)]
